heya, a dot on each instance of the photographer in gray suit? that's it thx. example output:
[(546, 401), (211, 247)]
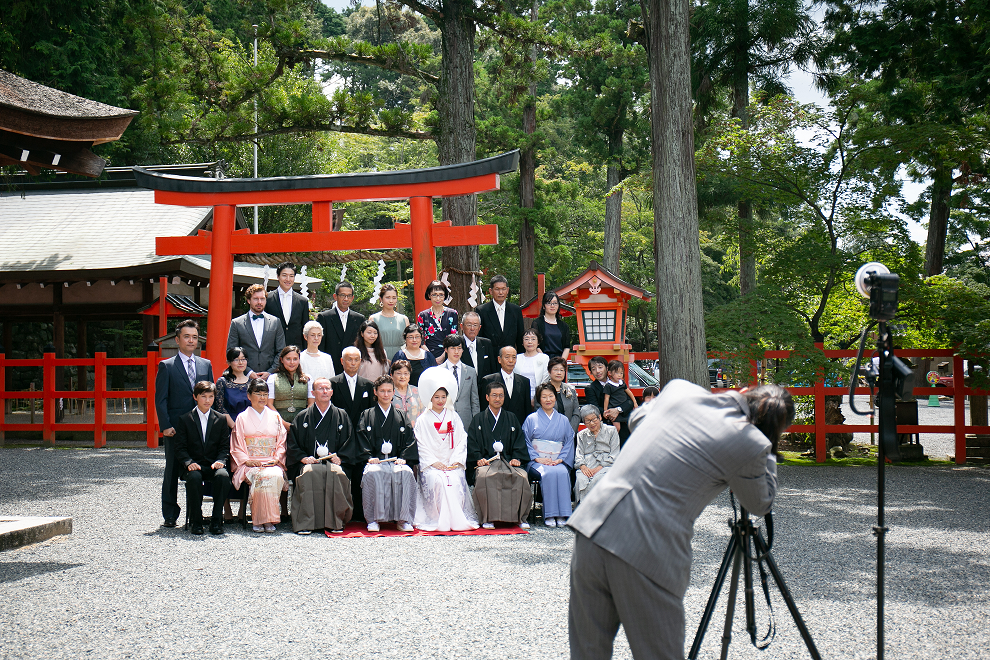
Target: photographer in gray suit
[(260, 334), (632, 553)]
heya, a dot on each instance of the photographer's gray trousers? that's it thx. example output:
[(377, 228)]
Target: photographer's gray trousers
[(606, 591)]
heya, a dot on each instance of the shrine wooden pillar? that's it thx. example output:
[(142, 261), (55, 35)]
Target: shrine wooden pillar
[(221, 287), (424, 254)]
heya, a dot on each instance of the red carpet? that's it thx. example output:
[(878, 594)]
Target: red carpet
[(360, 530)]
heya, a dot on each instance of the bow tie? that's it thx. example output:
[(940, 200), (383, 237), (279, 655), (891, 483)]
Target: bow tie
[(255, 317)]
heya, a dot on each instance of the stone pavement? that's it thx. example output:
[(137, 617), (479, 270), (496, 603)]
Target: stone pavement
[(121, 586)]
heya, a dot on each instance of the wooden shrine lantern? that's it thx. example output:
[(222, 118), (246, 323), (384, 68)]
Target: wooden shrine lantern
[(601, 303)]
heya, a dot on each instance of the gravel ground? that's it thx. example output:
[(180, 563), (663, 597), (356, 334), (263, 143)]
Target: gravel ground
[(122, 587)]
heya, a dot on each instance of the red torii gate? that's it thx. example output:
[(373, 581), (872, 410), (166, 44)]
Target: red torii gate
[(421, 233)]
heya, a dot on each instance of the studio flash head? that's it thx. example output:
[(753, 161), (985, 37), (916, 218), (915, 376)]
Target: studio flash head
[(876, 282)]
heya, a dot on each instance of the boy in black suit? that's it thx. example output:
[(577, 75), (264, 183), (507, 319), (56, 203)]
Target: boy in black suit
[(202, 445)]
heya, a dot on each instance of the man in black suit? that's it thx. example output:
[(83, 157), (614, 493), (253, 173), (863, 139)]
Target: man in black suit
[(501, 321), (517, 400), (478, 351), (202, 444), (173, 398), (353, 394), (340, 324), (258, 333), (289, 307)]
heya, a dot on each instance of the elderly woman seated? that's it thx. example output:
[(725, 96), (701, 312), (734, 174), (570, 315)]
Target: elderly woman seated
[(596, 449)]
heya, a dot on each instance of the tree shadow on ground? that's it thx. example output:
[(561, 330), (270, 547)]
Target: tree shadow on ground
[(12, 571)]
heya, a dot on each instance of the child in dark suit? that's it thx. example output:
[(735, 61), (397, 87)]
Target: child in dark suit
[(618, 395)]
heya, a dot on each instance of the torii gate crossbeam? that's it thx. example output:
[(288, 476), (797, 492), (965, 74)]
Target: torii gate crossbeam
[(225, 195)]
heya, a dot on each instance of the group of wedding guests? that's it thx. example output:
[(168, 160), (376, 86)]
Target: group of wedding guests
[(319, 404)]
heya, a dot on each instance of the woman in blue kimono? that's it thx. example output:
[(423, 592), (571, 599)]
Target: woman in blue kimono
[(545, 429)]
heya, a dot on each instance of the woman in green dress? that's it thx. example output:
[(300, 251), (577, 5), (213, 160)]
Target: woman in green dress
[(390, 322)]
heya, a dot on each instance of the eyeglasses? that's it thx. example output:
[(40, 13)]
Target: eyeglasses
[(435, 294)]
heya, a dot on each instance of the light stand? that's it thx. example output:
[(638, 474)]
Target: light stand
[(875, 282)]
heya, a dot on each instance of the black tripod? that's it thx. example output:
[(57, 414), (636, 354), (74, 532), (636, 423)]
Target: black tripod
[(744, 539)]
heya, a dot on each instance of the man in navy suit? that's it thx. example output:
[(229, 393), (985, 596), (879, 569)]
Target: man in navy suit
[(289, 307), (340, 324), (173, 398), (202, 445)]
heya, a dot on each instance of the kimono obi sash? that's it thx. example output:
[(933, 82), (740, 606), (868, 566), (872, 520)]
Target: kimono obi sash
[(289, 399), (260, 445)]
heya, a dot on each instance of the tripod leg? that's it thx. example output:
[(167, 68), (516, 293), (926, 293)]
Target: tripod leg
[(730, 608), (761, 547), (713, 597), (747, 543)]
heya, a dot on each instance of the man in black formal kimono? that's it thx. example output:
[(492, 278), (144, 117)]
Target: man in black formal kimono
[(353, 394), (289, 307), (517, 398), (501, 486), (202, 445), (340, 324), (320, 440), (387, 445), (501, 321)]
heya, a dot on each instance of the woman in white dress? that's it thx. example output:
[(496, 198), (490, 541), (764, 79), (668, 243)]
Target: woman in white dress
[(445, 503), (313, 362), (532, 363)]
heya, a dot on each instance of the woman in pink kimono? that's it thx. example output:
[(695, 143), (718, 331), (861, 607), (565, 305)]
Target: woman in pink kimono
[(257, 452), (444, 502)]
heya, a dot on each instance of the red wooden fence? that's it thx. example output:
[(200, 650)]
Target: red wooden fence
[(958, 391), (51, 397), (99, 394)]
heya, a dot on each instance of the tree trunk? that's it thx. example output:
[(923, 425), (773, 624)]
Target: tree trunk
[(740, 110), (456, 134), (613, 206), (527, 192), (938, 220), (680, 316)]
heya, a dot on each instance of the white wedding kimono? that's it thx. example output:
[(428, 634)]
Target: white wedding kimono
[(444, 502)]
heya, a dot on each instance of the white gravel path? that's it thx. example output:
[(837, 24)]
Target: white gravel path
[(122, 587)]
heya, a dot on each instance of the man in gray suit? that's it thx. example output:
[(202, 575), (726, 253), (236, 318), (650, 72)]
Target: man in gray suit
[(174, 398), (466, 405), (260, 334), (632, 554)]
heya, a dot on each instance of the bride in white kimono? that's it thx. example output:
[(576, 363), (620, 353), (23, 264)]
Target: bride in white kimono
[(444, 503)]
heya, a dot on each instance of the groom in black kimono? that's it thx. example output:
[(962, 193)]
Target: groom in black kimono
[(502, 492), (388, 492), (320, 440)]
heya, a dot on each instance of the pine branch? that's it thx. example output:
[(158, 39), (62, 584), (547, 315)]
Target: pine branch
[(371, 60), (432, 13), (313, 128)]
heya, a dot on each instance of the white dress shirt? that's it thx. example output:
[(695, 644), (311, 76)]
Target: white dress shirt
[(203, 419), (189, 366), (342, 315), (258, 325), (285, 297), (500, 311), (450, 367), (351, 383), (508, 384), (472, 347)]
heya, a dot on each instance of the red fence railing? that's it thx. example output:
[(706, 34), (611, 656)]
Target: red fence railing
[(51, 398), (958, 391)]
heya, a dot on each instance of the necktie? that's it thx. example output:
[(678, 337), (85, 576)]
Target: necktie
[(456, 379), (191, 370), (255, 317)]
